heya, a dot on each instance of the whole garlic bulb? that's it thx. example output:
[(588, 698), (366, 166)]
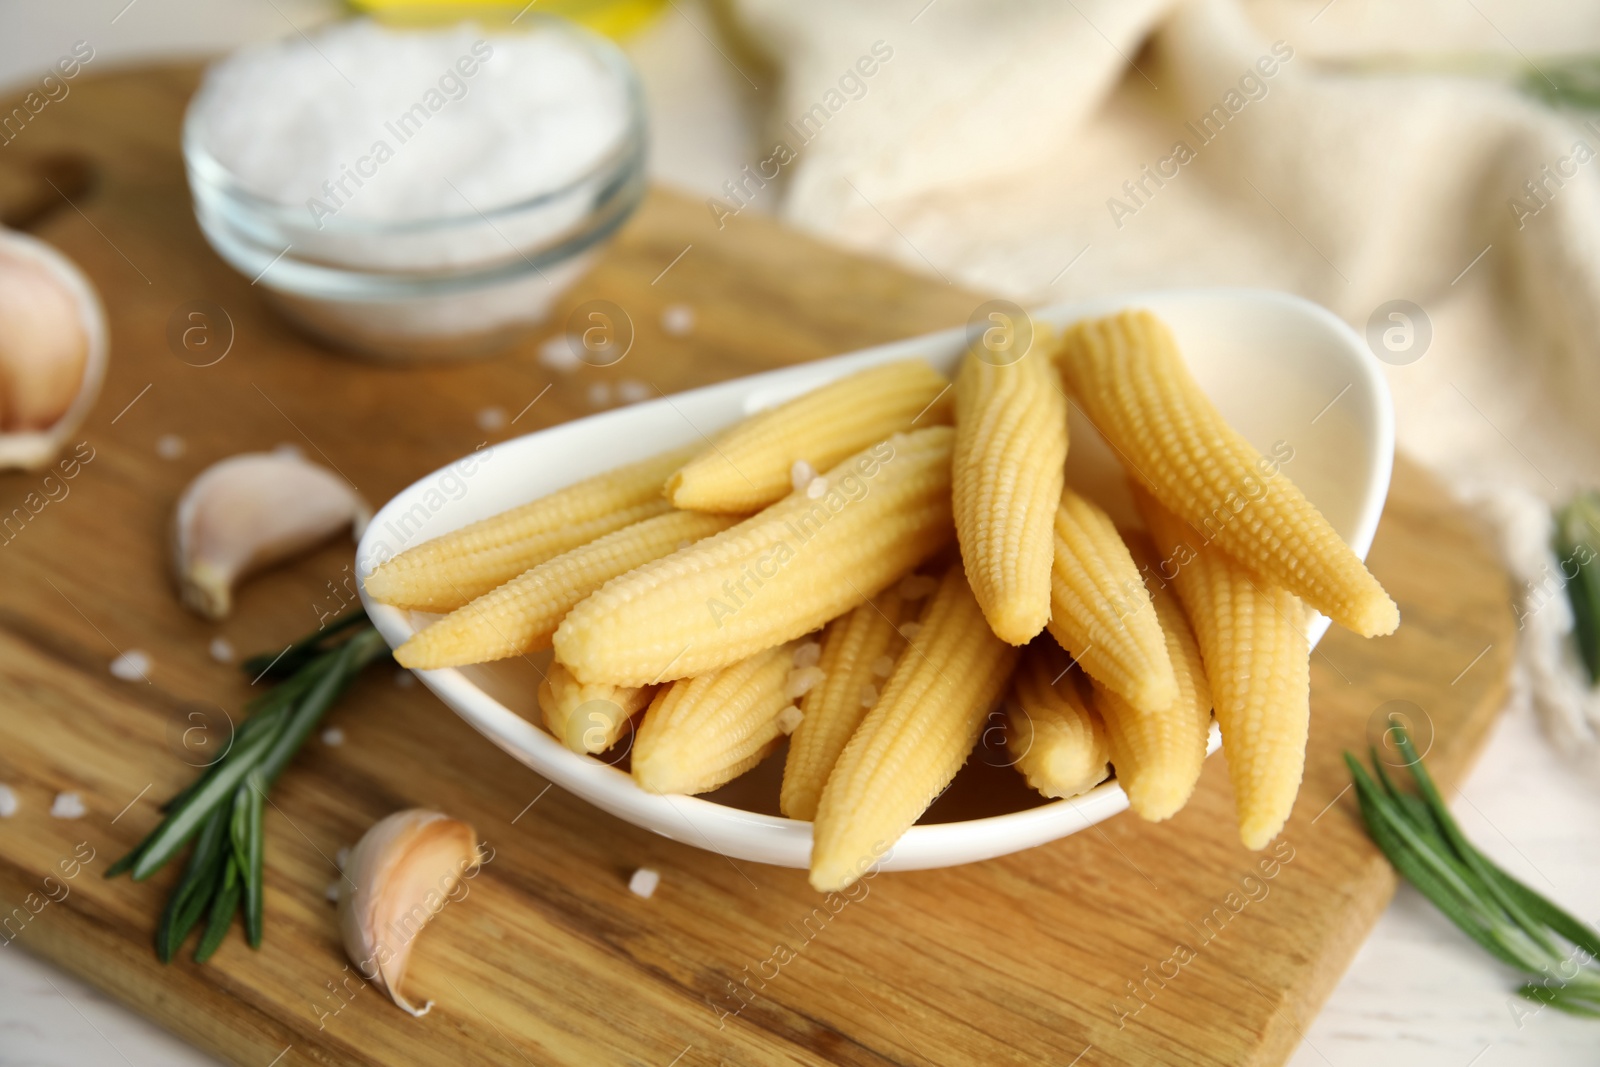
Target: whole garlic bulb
[(251, 510), (53, 350)]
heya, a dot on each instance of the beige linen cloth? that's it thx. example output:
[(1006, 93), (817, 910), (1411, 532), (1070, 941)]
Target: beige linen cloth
[(992, 146)]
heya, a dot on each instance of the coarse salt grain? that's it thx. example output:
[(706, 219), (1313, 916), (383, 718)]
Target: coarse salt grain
[(677, 320), (808, 654), (802, 680), (910, 630), (342, 856), (333, 737), (221, 650), (644, 882), (491, 419), (632, 391), (800, 474), (869, 695), (332, 893), (599, 394), (917, 586), (789, 719), (560, 353), (816, 487), (404, 679), (8, 802), (170, 446), (132, 666), (68, 806), (883, 666)]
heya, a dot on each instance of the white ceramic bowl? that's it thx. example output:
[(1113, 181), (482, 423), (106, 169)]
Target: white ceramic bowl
[(1280, 368)]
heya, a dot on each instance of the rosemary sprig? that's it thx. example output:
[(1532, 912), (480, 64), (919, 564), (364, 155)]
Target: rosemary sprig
[(1578, 551), (1510, 921), (221, 812), (1572, 83)]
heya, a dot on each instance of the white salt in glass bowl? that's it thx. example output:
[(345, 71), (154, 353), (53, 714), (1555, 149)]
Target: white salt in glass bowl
[(465, 281), (1284, 371)]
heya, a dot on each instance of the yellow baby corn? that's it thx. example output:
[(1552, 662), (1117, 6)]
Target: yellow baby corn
[(852, 647), (1011, 452), (588, 718), (773, 577), (1258, 665), (914, 739), (447, 572), (701, 732), (751, 465), (1158, 755), (1100, 610), (1127, 373), (521, 616), (1057, 741)]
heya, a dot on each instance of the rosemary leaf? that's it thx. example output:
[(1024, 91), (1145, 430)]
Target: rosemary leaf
[(1578, 552), (222, 810), (1505, 917)]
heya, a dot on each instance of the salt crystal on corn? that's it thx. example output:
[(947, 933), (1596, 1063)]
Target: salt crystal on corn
[(817, 487), (800, 474), (789, 719), (802, 680), (917, 586), (808, 654)]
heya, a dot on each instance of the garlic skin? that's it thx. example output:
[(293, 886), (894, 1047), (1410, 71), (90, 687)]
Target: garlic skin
[(53, 350), (245, 512), (400, 874)]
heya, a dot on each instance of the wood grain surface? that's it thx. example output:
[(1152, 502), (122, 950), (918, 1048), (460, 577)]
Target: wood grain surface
[(1030, 959)]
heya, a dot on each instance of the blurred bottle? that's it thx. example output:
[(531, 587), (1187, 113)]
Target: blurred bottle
[(614, 18)]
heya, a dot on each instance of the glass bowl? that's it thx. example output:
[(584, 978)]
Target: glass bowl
[(462, 284)]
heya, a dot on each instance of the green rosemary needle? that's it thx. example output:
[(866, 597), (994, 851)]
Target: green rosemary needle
[(1578, 552), (1510, 921), (221, 812)]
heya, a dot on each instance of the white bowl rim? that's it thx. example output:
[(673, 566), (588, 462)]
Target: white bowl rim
[(736, 833)]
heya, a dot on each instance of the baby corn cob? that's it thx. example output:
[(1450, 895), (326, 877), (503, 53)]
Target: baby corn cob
[(852, 645), (749, 467), (1100, 610), (1258, 665), (914, 740), (588, 718), (773, 577), (1158, 755), (448, 571), (521, 616), (1058, 743), (701, 732), (1010, 457), (1127, 373)]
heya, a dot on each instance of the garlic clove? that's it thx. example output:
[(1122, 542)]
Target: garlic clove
[(400, 874), (53, 350), (248, 511)]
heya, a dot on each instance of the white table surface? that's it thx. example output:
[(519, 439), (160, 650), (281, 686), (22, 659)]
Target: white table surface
[(1418, 995)]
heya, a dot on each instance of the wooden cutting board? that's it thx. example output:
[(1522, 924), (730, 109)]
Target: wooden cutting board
[(550, 960)]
